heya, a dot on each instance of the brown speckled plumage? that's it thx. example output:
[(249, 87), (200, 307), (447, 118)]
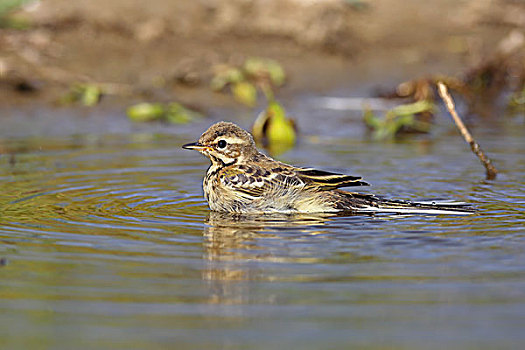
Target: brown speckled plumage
[(240, 179)]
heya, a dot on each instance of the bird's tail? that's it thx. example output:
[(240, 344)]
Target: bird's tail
[(365, 203)]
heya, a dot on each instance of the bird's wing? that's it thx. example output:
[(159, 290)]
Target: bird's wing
[(255, 181), (325, 180)]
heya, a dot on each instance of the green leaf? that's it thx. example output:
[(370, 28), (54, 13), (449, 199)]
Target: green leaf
[(234, 75), (276, 111), (398, 118), (245, 93), (275, 130), (371, 120), (90, 95), (7, 6), (281, 131), (87, 94), (260, 67), (10, 20), (254, 66), (218, 83), (226, 75), (144, 112), (178, 114), (276, 71), (413, 108)]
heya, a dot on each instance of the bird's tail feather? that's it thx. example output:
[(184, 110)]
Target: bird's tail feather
[(373, 204)]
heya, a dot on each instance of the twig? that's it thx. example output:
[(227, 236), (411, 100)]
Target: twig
[(443, 92)]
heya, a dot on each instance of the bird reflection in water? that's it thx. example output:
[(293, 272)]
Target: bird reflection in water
[(237, 245)]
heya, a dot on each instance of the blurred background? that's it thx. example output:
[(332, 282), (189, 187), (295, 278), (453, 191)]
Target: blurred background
[(171, 50)]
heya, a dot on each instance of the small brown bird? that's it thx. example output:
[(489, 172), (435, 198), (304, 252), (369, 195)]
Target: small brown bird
[(240, 179)]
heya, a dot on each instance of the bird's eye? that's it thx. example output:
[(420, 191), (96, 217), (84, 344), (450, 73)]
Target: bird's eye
[(221, 143)]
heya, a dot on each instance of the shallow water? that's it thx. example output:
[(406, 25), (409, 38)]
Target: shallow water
[(107, 242)]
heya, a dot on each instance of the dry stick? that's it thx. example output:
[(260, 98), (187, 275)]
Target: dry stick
[(443, 92)]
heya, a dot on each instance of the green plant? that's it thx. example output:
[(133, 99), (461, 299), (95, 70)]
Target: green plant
[(398, 119), (244, 81), (174, 113), (7, 7), (86, 94), (274, 130)]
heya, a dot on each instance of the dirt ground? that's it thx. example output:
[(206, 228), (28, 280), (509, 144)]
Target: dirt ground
[(165, 50)]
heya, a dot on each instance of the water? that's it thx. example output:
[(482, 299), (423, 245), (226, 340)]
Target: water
[(106, 241)]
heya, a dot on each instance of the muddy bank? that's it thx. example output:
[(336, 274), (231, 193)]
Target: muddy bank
[(165, 50)]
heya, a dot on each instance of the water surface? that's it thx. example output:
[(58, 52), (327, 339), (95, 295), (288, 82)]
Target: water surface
[(106, 241)]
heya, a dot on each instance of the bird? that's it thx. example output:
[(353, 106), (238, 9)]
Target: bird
[(243, 180)]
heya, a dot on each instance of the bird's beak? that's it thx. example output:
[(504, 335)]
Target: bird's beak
[(194, 145)]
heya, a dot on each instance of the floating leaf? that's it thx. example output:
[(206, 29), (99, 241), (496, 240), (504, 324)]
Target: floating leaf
[(178, 114), (144, 112), (174, 113), (245, 92)]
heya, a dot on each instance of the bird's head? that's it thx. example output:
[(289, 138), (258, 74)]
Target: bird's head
[(225, 143)]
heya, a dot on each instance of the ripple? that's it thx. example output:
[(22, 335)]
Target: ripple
[(120, 224)]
